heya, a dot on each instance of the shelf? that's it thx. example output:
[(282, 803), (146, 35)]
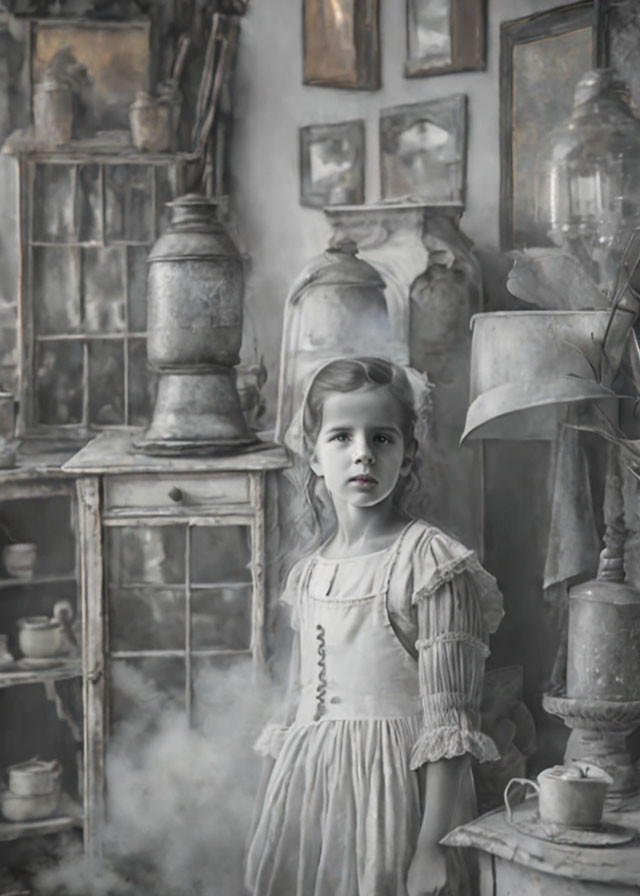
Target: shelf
[(108, 146), (10, 830), (10, 676), (9, 886), (180, 587), (36, 580), (162, 654)]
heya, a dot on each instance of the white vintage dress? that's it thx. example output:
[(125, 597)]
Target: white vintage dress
[(388, 676)]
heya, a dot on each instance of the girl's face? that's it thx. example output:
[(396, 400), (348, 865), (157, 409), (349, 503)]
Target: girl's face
[(360, 450)]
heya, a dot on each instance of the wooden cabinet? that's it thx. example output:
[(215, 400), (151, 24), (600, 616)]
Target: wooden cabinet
[(173, 579), (88, 214), (41, 711)]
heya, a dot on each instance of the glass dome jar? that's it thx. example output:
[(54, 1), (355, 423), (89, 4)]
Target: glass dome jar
[(588, 190)]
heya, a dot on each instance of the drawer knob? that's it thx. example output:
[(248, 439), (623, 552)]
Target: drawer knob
[(176, 494)]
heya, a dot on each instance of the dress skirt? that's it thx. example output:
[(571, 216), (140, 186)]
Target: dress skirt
[(342, 811)]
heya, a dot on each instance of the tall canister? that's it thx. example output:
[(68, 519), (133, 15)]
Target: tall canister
[(195, 287), (603, 661)]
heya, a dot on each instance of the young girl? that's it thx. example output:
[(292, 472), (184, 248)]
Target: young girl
[(391, 618)]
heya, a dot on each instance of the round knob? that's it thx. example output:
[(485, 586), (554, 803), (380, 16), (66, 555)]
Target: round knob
[(176, 494)]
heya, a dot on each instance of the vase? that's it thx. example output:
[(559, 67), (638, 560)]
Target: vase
[(195, 287), (53, 112)]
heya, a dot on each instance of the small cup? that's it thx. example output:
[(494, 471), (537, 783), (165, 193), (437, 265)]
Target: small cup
[(40, 638), (570, 796)]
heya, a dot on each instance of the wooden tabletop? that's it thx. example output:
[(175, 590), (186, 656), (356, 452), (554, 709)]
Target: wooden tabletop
[(494, 834), (113, 452)]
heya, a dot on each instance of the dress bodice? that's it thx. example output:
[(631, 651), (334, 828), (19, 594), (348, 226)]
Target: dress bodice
[(352, 664)]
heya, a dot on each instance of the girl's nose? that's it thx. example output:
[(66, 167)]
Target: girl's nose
[(362, 451)]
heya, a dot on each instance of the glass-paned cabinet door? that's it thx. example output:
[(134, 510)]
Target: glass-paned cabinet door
[(41, 707), (179, 599), (88, 231)]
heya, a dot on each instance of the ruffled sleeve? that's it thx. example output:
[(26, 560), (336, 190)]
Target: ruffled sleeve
[(457, 605), (271, 738)]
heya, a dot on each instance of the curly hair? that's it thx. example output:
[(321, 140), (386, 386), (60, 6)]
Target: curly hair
[(348, 375)]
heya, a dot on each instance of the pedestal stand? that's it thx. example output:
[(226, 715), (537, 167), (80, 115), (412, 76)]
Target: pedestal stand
[(599, 731), (603, 654)]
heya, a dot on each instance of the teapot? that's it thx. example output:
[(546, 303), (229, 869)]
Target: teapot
[(43, 637), (569, 796)]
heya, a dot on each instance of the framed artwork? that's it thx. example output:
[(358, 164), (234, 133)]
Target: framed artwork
[(108, 62), (341, 41), (618, 40), (445, 36), (332, 164), (542, 57), (423, 148)]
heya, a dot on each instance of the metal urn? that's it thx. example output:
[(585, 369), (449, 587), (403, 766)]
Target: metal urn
[(195, 287)]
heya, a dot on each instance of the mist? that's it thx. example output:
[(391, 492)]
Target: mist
[(179, 798)]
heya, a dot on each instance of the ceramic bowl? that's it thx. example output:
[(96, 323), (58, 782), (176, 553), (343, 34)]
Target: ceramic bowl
[(28, 808), (20, 559), (34, 778)]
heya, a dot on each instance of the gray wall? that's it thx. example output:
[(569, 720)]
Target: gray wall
[(271, 103)]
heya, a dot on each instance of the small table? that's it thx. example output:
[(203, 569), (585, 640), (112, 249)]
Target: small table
[(513, 863)]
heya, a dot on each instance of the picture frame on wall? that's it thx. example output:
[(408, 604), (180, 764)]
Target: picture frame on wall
[(108, 61), (423, 150), (445, 36), (542, 57), (332, 164), (341, 43), (618, 40)]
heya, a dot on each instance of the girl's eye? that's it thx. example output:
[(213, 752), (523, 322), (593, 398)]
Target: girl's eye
[(340, 437), (383, 439)]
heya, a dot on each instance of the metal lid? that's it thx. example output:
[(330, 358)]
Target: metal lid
[(193, 200), (340, 265), (194, 232), (582, 771)]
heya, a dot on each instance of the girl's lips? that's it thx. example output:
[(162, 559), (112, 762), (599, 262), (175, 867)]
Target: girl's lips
[(364, 480)]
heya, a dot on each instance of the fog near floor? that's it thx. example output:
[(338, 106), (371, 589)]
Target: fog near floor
[(180, 798)]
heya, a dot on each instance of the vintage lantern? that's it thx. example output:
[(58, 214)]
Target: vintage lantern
[(588, 195), (194, 321)]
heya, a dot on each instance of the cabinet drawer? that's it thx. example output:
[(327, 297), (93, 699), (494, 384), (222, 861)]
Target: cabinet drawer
[(176, 491)]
